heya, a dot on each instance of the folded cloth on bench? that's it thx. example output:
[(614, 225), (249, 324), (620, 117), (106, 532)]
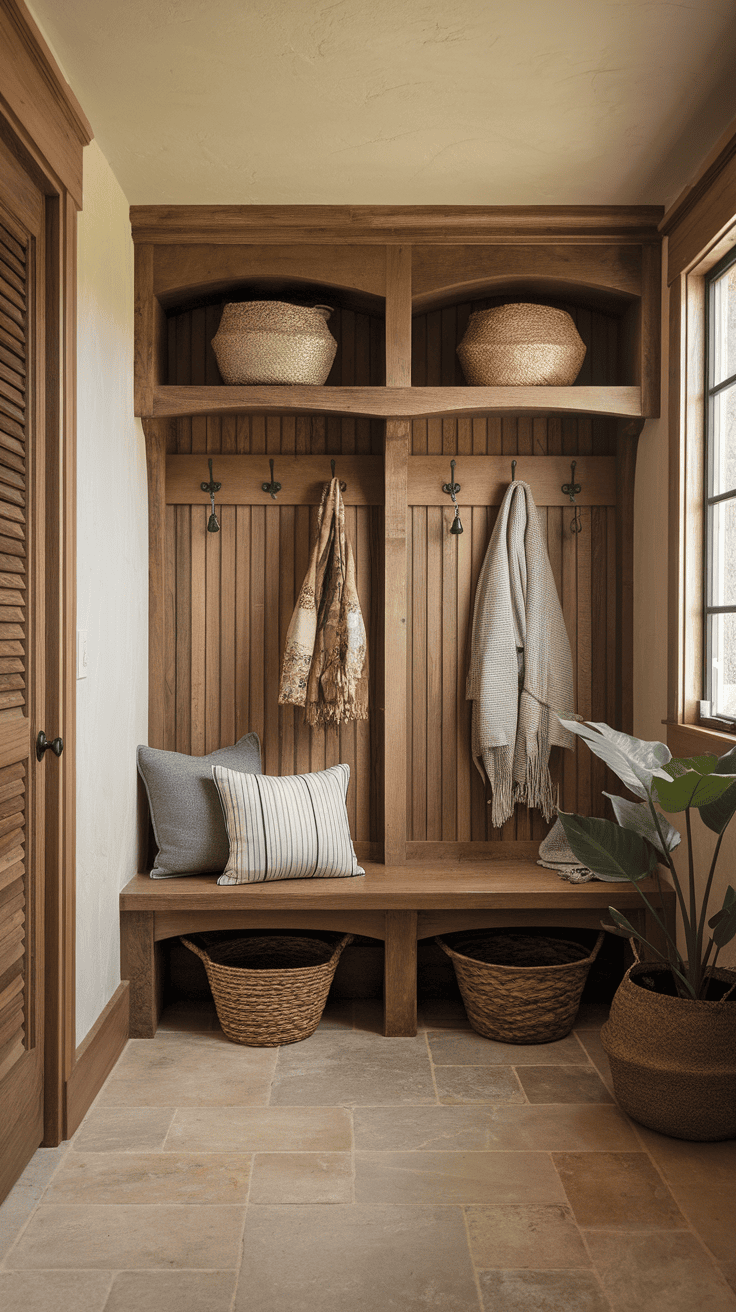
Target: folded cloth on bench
[(555, 853)]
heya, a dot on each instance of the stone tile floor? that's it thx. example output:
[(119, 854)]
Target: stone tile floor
[(443, 1172)]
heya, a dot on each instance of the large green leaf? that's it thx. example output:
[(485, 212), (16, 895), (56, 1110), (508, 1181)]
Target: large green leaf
[(693, 788), (726, 764), (723, 923), (704, 764), (717, 815), (634, 761), (613, 853), (621, 926), (637, 817)]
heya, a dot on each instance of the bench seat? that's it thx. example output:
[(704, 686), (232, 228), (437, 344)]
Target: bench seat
[(398, 904)]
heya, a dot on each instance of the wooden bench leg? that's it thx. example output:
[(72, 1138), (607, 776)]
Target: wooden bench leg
[(400, 975), (140, 963)]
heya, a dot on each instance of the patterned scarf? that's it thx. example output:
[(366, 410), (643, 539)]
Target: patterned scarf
[(520, 663), (325, 665)]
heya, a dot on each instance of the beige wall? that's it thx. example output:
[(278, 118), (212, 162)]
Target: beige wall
[(112, 584)]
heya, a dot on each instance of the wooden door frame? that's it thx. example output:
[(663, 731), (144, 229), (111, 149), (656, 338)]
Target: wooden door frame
[(44, 125)]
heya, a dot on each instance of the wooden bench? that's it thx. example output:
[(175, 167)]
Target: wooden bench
[(398, 904)]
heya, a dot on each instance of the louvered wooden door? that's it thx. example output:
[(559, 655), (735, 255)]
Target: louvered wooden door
[(22, 589)]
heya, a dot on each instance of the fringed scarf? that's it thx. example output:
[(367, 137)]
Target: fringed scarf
[(520, 663), (325, 665)]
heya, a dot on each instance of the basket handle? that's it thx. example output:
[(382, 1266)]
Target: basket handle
[(591, 958), (337, 953), (193, 947), (346, 938), (597, 947)]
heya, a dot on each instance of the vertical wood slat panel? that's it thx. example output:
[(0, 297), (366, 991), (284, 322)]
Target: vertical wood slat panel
[(233, 592)]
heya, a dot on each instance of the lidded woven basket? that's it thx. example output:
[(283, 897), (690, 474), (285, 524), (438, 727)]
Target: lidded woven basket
[(271, 989), (518, 988), (521, 346), (272, 342)]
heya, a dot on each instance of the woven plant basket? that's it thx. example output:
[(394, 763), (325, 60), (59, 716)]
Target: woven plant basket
[(269, 990), (518, 988), (272, 342), (673, 1060), (521, 346)]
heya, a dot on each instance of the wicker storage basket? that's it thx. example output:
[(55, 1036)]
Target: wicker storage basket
[(673, 1060), (518, 988), (269, 990), (521, 346), (272, 342)]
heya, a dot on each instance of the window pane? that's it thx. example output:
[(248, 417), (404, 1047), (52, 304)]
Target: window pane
[(723, 680), (723, 560), (723, 419), (724, 326)]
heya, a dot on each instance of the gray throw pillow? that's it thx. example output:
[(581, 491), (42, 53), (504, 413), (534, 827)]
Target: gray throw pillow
[(186, 814)]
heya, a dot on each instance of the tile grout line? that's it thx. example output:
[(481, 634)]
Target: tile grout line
[(633, 1125), (476, 1276), (353, 1163), (665, 1181), (575, 1222), (241, 1249), (163, 1147), (34, 1209), (432, 1070), (114, 1272)]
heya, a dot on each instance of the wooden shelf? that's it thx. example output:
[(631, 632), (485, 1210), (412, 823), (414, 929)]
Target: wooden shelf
[(398, 402)]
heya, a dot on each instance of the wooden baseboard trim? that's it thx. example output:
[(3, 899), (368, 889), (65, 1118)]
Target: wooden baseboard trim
[(96, 1056)]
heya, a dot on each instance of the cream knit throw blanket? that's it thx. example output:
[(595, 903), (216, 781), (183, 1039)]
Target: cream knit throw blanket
[(520, 663), (325, 665)]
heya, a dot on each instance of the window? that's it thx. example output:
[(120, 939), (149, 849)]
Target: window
[(719, 647)]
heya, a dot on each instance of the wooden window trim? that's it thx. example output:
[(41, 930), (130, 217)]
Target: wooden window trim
[(701, 230)]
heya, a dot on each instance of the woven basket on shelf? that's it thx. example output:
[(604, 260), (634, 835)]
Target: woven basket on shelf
[(272, 342), (269, 990), (521, 346), (518, 988)]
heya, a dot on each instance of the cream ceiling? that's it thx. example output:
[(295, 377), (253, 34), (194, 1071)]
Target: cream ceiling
[(399, 101)]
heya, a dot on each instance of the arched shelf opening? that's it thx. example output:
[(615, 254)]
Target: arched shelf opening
[(607, 320), (192, 316)]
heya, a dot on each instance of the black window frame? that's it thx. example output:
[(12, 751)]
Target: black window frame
[(712, 500)]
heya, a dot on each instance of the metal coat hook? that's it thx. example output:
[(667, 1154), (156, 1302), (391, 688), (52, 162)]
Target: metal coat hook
[(571, 490), (271, 487), (513, 471), (343, 486), (213, 525), (451, 489)]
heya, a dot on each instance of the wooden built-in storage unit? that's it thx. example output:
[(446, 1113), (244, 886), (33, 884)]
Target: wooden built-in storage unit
[(394, 411)]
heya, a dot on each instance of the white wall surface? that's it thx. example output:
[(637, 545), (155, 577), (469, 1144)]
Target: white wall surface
[(112, 583)]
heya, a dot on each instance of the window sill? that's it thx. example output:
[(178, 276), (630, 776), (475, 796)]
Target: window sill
[(696, 739)]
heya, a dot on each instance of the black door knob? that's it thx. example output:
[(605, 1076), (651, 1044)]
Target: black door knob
[(43, 744)]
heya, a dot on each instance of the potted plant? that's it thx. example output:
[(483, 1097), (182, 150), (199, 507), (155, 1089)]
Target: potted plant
[(671, 1035)]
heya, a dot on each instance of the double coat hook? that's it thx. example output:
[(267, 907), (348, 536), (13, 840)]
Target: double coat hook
[(272, 487), (451, 489), (213, 525), (573, 489)]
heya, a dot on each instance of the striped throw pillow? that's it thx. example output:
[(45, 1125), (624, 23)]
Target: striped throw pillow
[(293, 827)]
